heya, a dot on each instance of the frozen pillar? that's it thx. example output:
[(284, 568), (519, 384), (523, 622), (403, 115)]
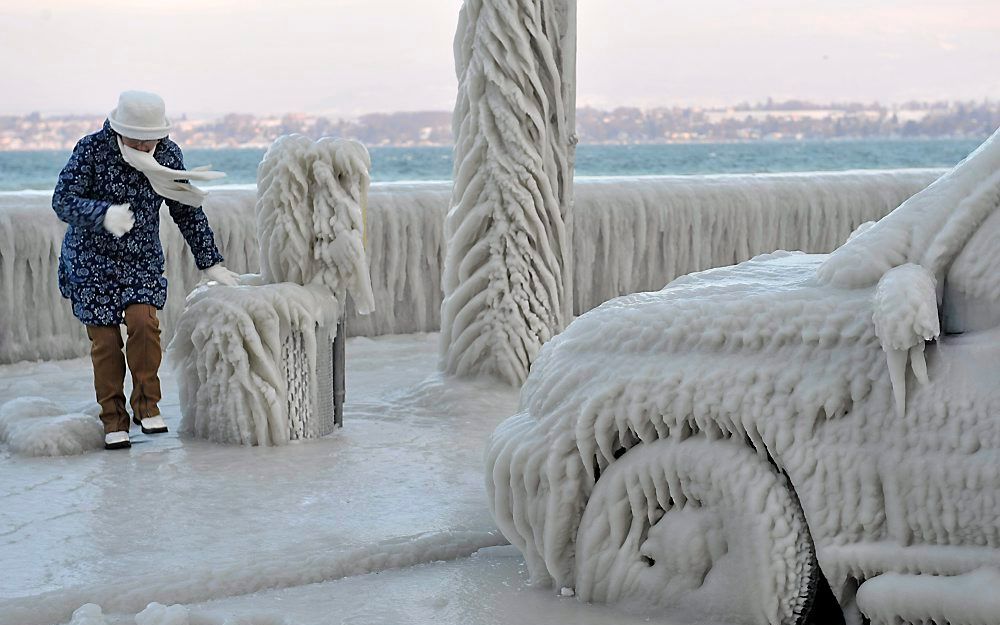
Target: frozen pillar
[(508, 272)]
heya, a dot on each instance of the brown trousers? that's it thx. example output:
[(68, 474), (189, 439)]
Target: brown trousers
[(143, 355)]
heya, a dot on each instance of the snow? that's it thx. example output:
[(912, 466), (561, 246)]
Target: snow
[(508, 281), (401, 484), (629, 235), (969, 599), (354, 524), (36, 426), (782, 354)]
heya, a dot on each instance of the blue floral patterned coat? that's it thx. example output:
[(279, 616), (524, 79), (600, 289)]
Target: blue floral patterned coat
[(102, 274)]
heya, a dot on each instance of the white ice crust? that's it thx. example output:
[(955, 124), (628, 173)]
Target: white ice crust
[(35, 426), (507, 272), (969, 599), (785, 353)]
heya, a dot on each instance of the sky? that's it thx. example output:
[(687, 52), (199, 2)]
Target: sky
[(349, 57)]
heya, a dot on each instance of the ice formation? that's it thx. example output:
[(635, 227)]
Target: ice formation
[(253, 361), (35, 426), (507, 271), (629, 235), (632, 421), (969, 599), (310, 215)]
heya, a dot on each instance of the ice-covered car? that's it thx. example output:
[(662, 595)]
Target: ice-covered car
[(750, 438)]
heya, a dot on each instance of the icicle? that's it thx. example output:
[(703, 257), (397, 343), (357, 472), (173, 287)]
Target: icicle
[(896, 359), (905, 316)]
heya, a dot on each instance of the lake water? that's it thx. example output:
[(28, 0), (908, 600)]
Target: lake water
[(39, 170)]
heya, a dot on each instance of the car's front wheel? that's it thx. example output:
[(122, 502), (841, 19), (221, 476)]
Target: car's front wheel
[(702, 528)]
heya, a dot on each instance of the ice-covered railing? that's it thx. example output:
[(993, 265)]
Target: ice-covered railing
[(36, 323), (255, 362), (631, 234)]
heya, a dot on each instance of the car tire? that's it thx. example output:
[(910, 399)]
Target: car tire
[(698, 528)]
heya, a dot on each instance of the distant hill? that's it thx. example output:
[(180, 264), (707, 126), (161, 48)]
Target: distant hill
[(788, 120)]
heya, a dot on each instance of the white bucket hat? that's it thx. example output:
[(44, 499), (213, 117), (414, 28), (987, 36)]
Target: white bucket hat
[(140, 115)]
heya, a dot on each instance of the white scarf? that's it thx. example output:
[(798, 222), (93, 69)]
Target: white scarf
[(165, 180)]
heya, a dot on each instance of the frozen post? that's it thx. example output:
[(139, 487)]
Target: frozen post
[(508, 273)]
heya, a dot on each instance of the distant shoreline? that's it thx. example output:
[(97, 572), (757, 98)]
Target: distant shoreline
[(788, 121)]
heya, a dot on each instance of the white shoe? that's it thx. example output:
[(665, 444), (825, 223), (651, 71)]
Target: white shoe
[(152, 425), (117, 440)]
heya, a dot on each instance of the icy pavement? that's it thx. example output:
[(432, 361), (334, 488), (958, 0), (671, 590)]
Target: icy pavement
[(180, 521), (488, 588)]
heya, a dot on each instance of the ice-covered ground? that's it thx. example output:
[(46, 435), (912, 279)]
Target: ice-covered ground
[(484, 589), (487, 588), (182, 521), (385, 522)]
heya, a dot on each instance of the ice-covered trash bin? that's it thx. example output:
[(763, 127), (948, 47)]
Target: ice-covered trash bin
[(255, 362), (250, 361)]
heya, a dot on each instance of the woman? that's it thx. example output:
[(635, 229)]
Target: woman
[(111, 265)]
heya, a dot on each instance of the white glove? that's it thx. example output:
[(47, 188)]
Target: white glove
[(218, 273), (119, 219)]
